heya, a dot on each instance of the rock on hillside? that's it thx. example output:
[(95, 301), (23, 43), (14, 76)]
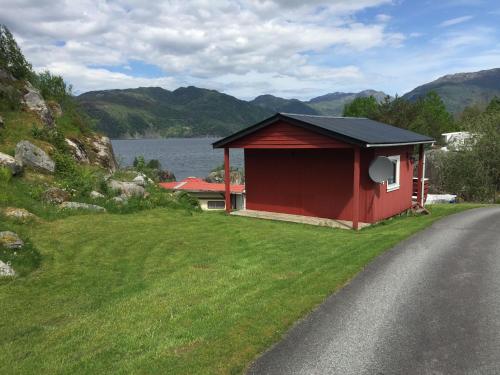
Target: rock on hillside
[(11, 163), (10, 240), (6, 269), (34, 102), (27, 154)]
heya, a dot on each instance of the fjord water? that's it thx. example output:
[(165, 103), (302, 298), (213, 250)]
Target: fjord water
[(185, 157)]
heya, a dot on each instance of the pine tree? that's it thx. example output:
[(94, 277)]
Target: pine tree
[(11, 56)]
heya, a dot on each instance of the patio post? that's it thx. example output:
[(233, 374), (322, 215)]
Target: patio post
[(355, 189), (420, 178), (227, 180)]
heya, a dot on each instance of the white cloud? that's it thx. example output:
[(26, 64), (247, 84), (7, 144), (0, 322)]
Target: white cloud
[(193, 41), (383, 18), (455, 21)]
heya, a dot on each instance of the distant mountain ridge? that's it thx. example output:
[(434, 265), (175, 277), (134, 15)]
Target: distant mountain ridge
[(193, 111), (461, 90)]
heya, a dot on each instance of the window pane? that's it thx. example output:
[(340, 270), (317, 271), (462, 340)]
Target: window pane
[(216, 205), (392, 179)]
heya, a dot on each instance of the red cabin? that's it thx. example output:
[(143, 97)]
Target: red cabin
[(317, 166)]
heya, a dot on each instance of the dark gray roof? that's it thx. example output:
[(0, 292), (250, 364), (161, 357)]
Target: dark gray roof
[(355, 130)]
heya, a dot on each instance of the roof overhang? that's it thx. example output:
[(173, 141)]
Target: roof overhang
[(224, 142)]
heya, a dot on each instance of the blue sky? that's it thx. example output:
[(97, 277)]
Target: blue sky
[(245, 48)]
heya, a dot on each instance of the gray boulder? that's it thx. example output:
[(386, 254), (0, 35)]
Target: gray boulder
[(19, 214), (34, 101), (122, 199), (32, 156), (11, 163), (6, 270), (129, 189), (95, 194), (10, 240), (55, 195), (81, 206), (2, 124)]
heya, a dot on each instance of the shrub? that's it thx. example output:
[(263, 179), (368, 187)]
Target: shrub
[(77, 179), (5, 175), (52, 136), (10, 98), (52, 87)]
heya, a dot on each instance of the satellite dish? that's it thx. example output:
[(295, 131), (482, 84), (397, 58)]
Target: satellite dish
[(381, 169)]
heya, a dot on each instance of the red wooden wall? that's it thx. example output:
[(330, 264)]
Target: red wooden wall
[(292, 170), (301, 182)]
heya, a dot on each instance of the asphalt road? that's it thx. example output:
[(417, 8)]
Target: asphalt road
[(431, 305)]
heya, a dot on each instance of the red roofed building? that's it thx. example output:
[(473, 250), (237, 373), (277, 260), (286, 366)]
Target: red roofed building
[(210, 195)]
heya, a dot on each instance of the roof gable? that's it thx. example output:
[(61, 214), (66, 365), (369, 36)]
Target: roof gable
[(282, 134), (352, 130)]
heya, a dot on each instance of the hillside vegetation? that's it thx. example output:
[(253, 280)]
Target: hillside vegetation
[(462, 90), (191, 111), (156, 112)]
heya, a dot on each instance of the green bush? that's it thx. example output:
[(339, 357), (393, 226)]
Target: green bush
[(24, 260), (10, 98), (52, 136), (79, 180), (52, 87), (5, 175)]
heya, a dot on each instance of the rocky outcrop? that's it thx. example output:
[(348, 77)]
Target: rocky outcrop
[(34, 102), (32, 156), (81, 206), (11, 163), (18, 214), (77, 150), (55, 195), (104, 155), (6, 270), (129, 189), (10, 240)]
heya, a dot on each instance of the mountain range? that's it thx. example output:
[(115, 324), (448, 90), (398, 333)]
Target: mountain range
[(192, 111)]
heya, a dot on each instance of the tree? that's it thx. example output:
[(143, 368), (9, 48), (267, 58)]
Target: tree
[(432, 118), (11, 57), (473, 172), (361, 107)]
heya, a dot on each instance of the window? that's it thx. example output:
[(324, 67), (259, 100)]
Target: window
[(216, 205), (393, 180)]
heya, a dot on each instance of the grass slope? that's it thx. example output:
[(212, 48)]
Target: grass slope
[(167, 291)]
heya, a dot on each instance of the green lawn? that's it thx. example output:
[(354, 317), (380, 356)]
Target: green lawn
[(171, 292)]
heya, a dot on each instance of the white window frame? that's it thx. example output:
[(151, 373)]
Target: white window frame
[(217, 208), (395, 185)]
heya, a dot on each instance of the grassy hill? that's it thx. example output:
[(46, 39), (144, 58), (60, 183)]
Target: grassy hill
[(463, 89), (333, 104), (156, 112)]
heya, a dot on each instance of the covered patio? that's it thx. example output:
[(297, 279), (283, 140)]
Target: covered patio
[(314, 169)]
